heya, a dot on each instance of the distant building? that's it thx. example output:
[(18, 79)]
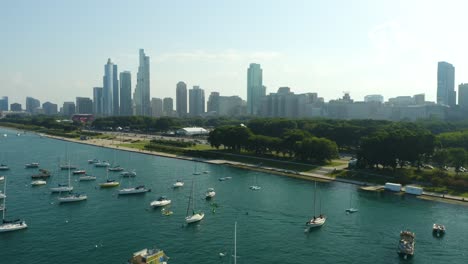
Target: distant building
[(98, 109), (285, 103), (115, 92), (446, 94), (255, 89), (374, 98), (68, 109), (4, 103), (50, 108), (196, 101), (84, 105), (141, 96), (168, 106), (181, 99), (108, 89), (213, 103), (419, 99), (126, 94), (463, 95), (156, 107), (32, 104), (15, 107)]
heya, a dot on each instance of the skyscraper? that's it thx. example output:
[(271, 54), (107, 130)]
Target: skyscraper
[(181, 99), (115, 91), (4, 103), (168, 106), (142, 90), (213, 103), (126, 94), (156, 107), (197, 101), (446, 94), (49, 108), (97, 101), (108, 89), (32, 104), (463, 95), (68, 109), (255, 89), (16, 107), (84, 105)]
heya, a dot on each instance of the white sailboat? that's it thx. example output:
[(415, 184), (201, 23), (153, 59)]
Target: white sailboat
[(178, 183), (255, 186), (161, 201), (38, 183), (63, 187), (210, 193), (7, 226), (351, 209), (194, 216), (73, 197), (87, 177), (134, 190), (315, 221)]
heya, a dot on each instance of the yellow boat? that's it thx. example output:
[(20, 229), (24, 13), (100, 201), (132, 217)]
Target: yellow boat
[(109, 184), (149, 256)]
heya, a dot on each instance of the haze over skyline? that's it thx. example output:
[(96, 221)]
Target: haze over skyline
[(55, 51)]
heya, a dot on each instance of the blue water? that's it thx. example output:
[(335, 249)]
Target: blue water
[(270, 222)]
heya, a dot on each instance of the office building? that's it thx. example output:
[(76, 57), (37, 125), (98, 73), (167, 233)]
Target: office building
[(84, 105), (115, 91), (68, 109), (374, 98), (196, 101), (168, 106), (98, 101), (141, 96), (255, 89), (126, 94), (4, 103), (32, 104), (156, 107), (463, 95), (15, 107), (181, 99), (49, 108), (108, 89), (446, 94), (212, 106)]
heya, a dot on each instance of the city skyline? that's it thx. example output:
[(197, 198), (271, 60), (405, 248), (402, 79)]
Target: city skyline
[(387, 51)]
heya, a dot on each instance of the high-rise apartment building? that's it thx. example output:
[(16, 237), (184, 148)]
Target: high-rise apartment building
[(108, 89), (32, 104), (255, 89), (68, 109), (4, 103), (463, 95), (196, 101), (98, 101), (141, 96), (126, 94), (168, 106), (181, 99), (50, 108), (446, 94), (225, 105), (115, 91), (16, 107), (212, 106), (84, 105), (156, 107)]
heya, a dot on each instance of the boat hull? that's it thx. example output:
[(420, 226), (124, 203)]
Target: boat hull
[(38, 183), (160, 203), (87, 178), (12, 227), (194, 218), (61, 189), (72, 199), (133, 191), (317, 222), (109, 184)]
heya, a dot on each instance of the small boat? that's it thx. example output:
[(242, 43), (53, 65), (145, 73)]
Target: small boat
[(115, 168), (2, 178), (315, 221), (196, 216), (166, 212), (61, 188), (87, 178), (109, 184), (351, 209), (206, 172), (31, 165), (210, 193), (7, 226), (406, 244), (93, 161), (68, 167), (134, 190), (2, 195), (102, 164), (438, 229), (178, 184), (72, 197), (41, 175), (161, 201), (222, 179), (128, 174), (152, 256), (38, 183), (4, 167), (228, 177), (255, 187), (77, 172)]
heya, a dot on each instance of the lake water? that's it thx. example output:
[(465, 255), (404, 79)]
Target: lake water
[(270, 222)]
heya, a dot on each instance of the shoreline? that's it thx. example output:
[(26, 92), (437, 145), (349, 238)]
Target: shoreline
[(300, 175)]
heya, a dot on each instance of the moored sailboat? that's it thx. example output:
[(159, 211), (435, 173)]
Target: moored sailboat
[(134, 190), (315, 221), (63, 187), (6, 225), (109, 183), (161, 201), (195, 216)]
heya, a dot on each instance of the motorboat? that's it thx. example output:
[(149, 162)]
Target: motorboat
[(316, 221), (115, 168), (351, 210), (438, 229), (38, 183), (210, 193), (78, 172), (72, 197), (31, 165), (161, 201), (222, 179), (41, 175), (153, 256), (406, 244), (93, 161), (4, 167), (61, 188), (87, 178), (178, 184), (128, 174), (134, 190), (102, 164), (109, 184), (206, 172)]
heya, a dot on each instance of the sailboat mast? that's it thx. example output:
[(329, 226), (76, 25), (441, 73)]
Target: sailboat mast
[(235, 242), (4, 198), (320, 203), (315, 194), (190, 200), (68, 173)]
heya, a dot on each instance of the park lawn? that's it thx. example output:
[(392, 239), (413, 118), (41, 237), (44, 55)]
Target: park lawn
[(140, 145)]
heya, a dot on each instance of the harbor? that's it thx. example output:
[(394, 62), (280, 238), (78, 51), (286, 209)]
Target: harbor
[(108, 228)]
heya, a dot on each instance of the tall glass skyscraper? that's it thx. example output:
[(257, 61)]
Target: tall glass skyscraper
[(181, 99), (108, 89), (126, 94), (197, 101), (142, 90), (97, 101), (255, 89), (446, 94), (4, 103), (115, 91)]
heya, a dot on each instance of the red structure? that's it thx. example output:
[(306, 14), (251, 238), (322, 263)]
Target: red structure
[(83, 118)]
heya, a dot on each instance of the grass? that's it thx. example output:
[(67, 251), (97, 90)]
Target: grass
[(136, 145)]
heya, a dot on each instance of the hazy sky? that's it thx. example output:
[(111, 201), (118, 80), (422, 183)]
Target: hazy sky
[(56, 50)]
